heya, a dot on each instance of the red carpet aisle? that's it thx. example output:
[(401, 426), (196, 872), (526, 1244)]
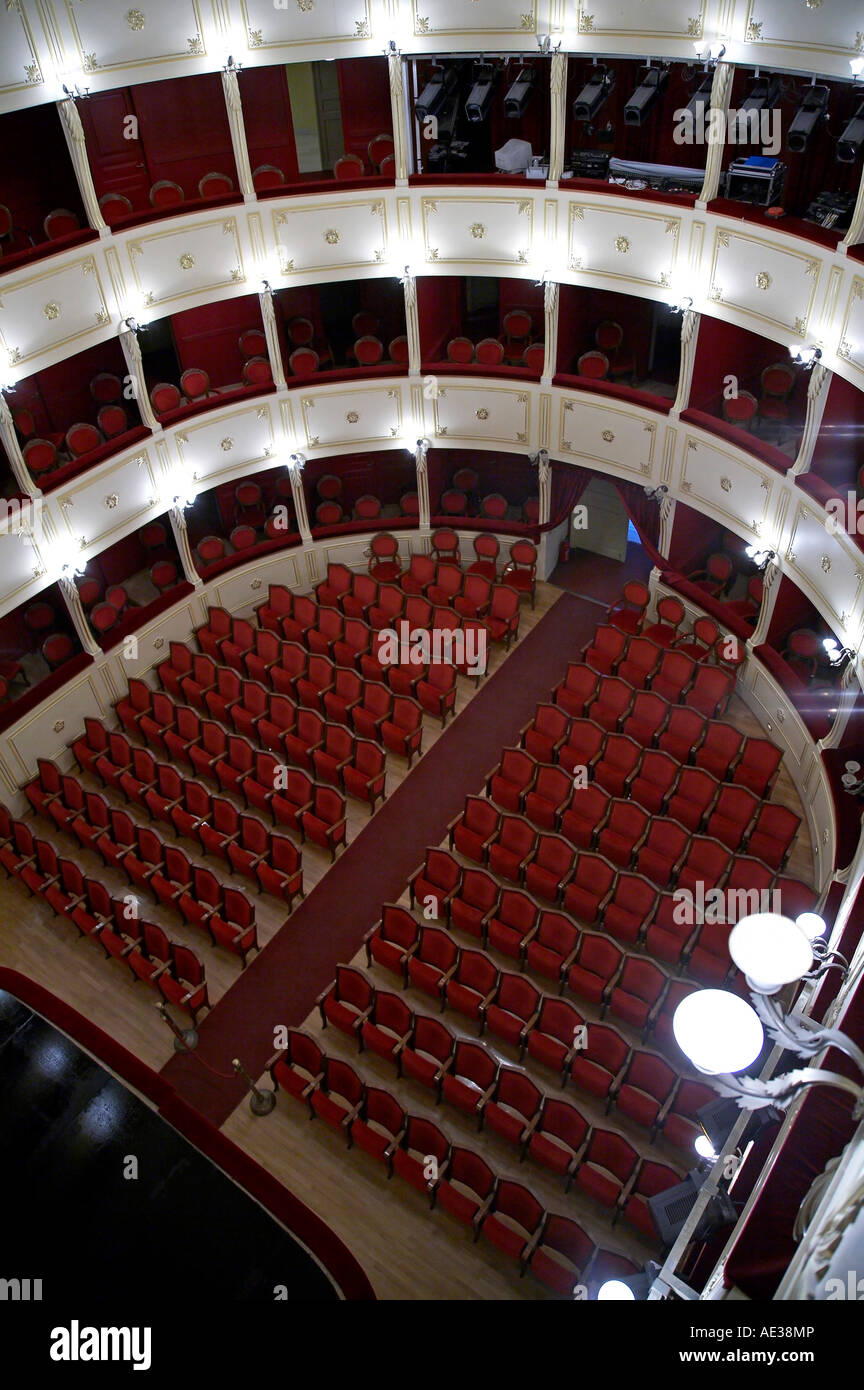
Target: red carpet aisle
[(281, 984)]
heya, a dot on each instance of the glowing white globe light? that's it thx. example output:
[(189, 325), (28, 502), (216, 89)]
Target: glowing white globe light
[(614, 1290), (811, 924), (703, 1146), (771, 950), (718, 1031)]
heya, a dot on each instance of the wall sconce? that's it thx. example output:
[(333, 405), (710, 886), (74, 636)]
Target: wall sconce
[(857, 67), (804, 357), (836, 654), (759, 556), (657, 493), (546, 46), (133, 325), (853, 782), (267, 288), (231, 66), (681, 305), (392, 50), (297, 461), (709, 52), (76, 93)]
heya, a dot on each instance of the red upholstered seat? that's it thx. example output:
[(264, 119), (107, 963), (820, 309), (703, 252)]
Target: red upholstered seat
[(165, 193), (114, 206), (82, 439), (215, 185), (348, 1002), (471, 1078), (165, 396), (422, 1140), (195, 383), (60, 222), (608, 1167), (267, 176), (562, 1254), (299, 1069), (593, 364), (257, 371), (348, 166), (460, 350)]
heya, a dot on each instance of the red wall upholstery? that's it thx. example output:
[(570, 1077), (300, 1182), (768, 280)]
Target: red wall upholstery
[(386, 475), (185, 150), (36, 172), (439, 308), (582, 309), (267, 118), (510, 474), (839, 451), (60, 395), (364, 90), (207, 337), (724, 349), (694, 537)]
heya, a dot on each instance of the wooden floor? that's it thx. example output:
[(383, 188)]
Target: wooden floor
[(407, 1252)]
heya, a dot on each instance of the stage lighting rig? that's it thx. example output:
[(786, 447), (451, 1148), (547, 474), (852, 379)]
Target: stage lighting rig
[(479, 102), (520, 93), (441, 81), (645, 95), (594, 93), (851, 141), (813, 109)]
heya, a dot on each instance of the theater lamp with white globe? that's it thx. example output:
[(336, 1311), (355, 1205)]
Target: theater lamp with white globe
[(771, 950), (724, 1035)]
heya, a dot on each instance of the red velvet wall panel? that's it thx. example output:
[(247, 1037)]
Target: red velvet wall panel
[(510, 474), (521, 294), (123, 559), (694, 537), (792, 610), (118, 161), (267, 118), (839, 451), (208, 337), (582, 309), (185, 150), (36, 173), (724, 349), (386, 475), (364, 90), (439, 308), (60, 395)]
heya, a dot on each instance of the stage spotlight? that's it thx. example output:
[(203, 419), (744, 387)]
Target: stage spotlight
[(811, 111), (520, 93), (479, 102), (645, 95), (431, 99), (700, 101), (594, 93), (850, 142), (763, 96)]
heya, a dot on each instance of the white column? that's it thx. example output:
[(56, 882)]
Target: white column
[(551, 299), (412, 323), (132, 352), (181, 535), (721, 89), (271, 333), (845, 706), (544, 486), (75, 139), (296, 476), (69, 590), (398, 114), (234, 107), (422, 484), (817, 395), (856, 226), (557, 115), (690, 323), (667, 518), (771, 587), (13, 450)]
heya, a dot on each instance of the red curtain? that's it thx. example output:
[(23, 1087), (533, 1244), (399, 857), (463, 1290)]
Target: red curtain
[(644, 512), (569, 481)]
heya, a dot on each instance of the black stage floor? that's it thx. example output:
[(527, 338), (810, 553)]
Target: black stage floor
[(180, 1230)]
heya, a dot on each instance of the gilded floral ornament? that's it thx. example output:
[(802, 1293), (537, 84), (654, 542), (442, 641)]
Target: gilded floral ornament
[(135, 20), (195, 45), (352, 417), (763, 280), (754, 31), (331, 236), (52, 310), (482, 413), (256, 38), (825, 563), (227, 444), (726, 484), (478, 230), (187, 260), (608, 436), (111, 501), (622, 245)]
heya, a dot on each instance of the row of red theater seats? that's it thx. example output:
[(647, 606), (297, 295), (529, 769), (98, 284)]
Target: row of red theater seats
[(466, 1074), (143, 946), (316, 682), (147, 862), (631, 911), (351, 641), (287, 795), (552, 1246), (382, 604), (692, 801), (637, 655), (243, 842), (683, 735), (632, 987), (585, 883), (678, 681), (222, 692), (295, 733)]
